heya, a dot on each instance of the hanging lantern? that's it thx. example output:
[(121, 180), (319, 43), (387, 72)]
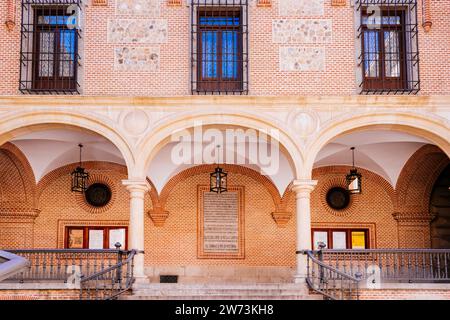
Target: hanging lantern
[(354, 178), (79, 177), (218, 181), (218, 178)]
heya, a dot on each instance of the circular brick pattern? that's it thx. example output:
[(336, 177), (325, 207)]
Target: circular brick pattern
[(336, 182), (97, 179)]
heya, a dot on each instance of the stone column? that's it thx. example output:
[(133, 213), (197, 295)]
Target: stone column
[(303, 189), (137, 189)]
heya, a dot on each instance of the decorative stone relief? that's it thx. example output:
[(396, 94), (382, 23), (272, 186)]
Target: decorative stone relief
[(303, 122), (301, 7), (136, 59), (135, 122), (138, 7), (302, 59), (301, 31), (137, 31)]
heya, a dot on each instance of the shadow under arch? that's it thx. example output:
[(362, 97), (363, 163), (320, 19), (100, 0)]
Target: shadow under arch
[(431, 128), (24, 122), (160, 136)]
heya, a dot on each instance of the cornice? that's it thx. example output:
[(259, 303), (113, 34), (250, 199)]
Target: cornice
[(282, 102)]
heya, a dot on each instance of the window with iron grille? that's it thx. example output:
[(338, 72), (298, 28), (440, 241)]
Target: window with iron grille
[(219, 46), (49, 46), (389, 56)]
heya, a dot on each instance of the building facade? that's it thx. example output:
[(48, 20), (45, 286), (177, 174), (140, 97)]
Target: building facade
[(150, 88)]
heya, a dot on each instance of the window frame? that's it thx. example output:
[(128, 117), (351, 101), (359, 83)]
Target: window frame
[(409, 80), (382, 81), (56, 81), (348, 232), (86, 230), (219, 83), (237, 85), (32, 79)]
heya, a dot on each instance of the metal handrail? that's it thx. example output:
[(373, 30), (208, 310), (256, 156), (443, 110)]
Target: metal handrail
[(332, 283), (391, 265), (64, 265), (108, 284)]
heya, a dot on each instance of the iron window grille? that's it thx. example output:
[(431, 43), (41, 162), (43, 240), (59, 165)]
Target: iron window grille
[(219, 47), (389, 58), (49, 58)]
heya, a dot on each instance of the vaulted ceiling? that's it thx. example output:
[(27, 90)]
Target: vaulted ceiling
[(383, 152)]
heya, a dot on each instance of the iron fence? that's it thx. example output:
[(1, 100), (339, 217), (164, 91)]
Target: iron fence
[(390, 265), (65, 265)]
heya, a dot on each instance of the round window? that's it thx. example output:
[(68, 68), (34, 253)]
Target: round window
[(338, 198), (98, 195)]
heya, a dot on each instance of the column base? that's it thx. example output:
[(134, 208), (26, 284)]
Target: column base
[(300, 279)]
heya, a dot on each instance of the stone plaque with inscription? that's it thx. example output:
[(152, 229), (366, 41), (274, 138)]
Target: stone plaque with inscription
[(220, 223)]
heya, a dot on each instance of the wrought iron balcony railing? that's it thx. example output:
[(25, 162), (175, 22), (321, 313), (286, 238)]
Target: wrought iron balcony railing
[(65, 265)]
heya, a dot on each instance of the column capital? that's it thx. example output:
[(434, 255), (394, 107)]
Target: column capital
[(133, 185), (302, 186)]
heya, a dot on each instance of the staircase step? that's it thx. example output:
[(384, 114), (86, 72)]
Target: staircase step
[(223, 297), (238, 291)]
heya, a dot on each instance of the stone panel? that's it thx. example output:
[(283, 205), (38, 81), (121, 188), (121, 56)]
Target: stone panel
[(302, 59), (138, 7), (301, 7), (137, 31), (301, 31), (136, 59)]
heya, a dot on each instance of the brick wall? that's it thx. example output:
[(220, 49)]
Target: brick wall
[(173, 76), (39, 294), (405, 294), (175, 241), (60, 207)]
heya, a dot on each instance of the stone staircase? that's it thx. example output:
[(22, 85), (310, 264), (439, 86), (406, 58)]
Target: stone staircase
[(260, 291)]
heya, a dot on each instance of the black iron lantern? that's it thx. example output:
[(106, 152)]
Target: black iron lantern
[(79, 176), (218, 179), (354, 177)]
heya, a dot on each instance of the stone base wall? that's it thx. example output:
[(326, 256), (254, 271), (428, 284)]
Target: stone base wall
[(405, 294), (195, 274), (17, 294)]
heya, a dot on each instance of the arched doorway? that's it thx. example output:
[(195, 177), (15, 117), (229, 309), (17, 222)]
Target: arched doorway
[(440, 207)]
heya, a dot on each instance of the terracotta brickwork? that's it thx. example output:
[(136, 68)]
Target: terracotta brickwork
[(59, 206), (175, 243), (413, 190), (17, 196), (168, 73), (39, 294), (372, 209), (405, 294)]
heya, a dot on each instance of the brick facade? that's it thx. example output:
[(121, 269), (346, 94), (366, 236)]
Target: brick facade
[(167, 72), (173, 240)]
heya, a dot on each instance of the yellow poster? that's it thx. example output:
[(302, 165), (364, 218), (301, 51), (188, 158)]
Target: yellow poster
[(358, 240)]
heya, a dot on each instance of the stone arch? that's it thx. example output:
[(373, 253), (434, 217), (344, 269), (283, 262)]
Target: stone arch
[(416, 181), (153, 143), (158, 214), (430, 127), (15, 124), (343, 170), (15, 164)]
